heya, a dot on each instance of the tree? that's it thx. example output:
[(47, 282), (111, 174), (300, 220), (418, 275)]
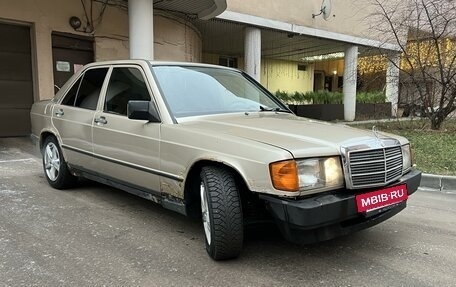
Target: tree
[(425, 32)]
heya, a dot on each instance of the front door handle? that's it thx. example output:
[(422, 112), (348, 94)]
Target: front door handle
[(100, 121), (59, 113)]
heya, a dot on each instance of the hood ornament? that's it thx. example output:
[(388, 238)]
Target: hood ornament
[(375, 131)]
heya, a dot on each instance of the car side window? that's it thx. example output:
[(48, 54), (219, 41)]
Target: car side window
[(70, 96), (89, 90), (86, 90), (125, 84)]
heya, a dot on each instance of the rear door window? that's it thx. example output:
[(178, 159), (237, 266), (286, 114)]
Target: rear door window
[(86, 91), (70, 97)]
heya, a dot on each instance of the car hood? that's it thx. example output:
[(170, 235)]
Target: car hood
[(302, 137)]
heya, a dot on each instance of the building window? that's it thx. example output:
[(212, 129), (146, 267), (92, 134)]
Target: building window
[(228, 62)]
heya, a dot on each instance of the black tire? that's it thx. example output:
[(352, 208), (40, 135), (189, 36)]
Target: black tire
[(55, 166), (224, 211)]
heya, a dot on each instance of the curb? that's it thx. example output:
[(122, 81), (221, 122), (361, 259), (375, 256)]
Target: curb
[(438, 182)]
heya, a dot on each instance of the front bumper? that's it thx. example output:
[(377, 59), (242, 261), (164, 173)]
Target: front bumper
[(331, 214)]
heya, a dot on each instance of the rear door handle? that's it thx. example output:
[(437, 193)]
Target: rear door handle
[(59, 113), (100, 121)]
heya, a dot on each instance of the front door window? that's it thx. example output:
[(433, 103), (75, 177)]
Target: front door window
[(126, 84)]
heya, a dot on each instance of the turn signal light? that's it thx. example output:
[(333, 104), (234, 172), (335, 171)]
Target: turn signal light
[(284, 175)]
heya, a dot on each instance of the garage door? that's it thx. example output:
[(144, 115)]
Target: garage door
[(16, 85)]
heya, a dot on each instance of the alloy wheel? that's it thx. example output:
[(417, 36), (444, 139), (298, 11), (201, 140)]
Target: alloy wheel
[(52, 161), (205, 213)]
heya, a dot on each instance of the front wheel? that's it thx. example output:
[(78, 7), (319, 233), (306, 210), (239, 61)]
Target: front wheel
[(221, 213), (55, 167)]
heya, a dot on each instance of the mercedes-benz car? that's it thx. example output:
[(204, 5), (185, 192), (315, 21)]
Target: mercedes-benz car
[(210, 142)]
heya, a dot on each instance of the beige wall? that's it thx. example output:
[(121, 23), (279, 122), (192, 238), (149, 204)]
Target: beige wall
[(175, 39), (284, 76), (277, 74), (350, 15), (210, 58)]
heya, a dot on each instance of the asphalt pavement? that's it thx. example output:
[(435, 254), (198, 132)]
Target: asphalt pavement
[(94, 235)]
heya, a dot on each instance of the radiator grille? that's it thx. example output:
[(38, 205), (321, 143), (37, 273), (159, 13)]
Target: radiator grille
[(375, 167)]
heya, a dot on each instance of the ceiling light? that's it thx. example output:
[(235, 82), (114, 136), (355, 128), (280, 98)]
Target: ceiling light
[(330, 56)]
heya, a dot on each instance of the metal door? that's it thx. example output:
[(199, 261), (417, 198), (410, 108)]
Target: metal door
[(16, 84), (69, 53)]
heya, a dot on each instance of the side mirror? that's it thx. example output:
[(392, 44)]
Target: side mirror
[(142, 110)]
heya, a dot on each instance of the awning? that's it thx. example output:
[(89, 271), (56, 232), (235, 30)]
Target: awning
[(203, 9)]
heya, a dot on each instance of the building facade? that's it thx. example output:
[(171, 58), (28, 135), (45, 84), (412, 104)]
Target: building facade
[(289, 45)]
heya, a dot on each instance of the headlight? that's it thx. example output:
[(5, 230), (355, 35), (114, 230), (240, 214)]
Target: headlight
[(307, 174), (406, 157), (320, 173)]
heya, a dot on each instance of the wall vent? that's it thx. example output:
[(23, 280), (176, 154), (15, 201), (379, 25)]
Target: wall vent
[(302, 68)]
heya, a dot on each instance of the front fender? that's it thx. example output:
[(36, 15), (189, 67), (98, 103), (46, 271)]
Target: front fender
[(182, 149)]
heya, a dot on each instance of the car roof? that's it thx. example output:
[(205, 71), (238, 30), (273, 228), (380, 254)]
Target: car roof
[(156, 63)]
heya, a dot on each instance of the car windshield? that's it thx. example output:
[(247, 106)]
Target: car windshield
[(192, 91)]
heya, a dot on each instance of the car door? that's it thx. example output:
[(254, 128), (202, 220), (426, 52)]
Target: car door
[(127, 151), (73, 117)]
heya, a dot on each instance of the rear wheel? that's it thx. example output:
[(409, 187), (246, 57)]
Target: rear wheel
[(221, 213), (55, 167)]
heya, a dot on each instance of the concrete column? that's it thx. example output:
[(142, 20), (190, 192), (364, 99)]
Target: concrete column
[(252, 52), (43, 75), (392, 82), (141, 29), (349, 89)]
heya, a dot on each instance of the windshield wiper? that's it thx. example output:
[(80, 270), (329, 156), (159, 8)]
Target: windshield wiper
[(282, 110), (265, 109)]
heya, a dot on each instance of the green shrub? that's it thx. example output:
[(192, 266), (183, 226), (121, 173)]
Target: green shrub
[(282, 95), (326, 97), (298, 97), (371, 97)]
